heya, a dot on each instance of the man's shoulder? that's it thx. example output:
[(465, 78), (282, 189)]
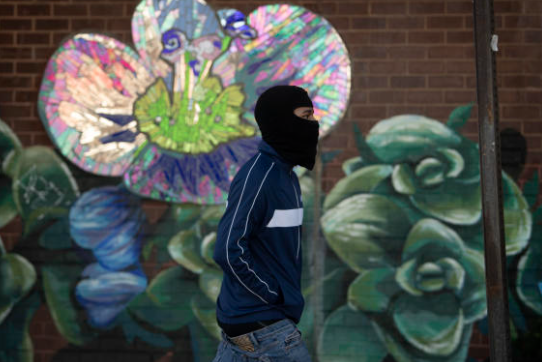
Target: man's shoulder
[(258, 168)]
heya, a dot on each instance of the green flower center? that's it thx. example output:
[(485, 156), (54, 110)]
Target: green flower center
[(195, 121)]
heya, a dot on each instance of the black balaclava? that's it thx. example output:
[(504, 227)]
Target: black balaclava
[(294, 138)]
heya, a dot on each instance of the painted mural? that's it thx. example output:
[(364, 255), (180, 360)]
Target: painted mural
[(172, 121)]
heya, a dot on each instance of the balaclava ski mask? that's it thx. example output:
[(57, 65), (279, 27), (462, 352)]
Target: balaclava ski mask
[(294, 138)]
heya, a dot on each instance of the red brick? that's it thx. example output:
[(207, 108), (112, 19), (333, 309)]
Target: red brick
[(33, 38), (408, 82), (533, 36), (387, 67), (7, 10), (500, 7), (407, 52), (445, 22), (459, 8), (448, 52), (44, 53), (534, 158), (510, 36), (446, 81), (33, 10), (370, 82), (52, 24), (534, 142), (385, 8), (521, 81), (30, 68), (368, 23), (424, 97), (6, 38), (428, 7), (424, 37), (465, 36), (12, 111), (339, 22), (6, 68), (533, 6), (388, 37), (460, 66), (406, 23), (106, 10), (368, 111), (91, 24), (523, 51), (70, 10), (533, 97), (534, 66), (123, 25), (387, 97), (360, 67), (395, 110), (352, 9), (524, 21), (426, 67), (26, 96), (471, 82), (439, 112), (369, 52), (460, 97), (16, 82), (357, 37), (16, 24), (6, 96), (521, 112), (532, 127), (510, 96), (509, 66), (359, 96), (322, 8)]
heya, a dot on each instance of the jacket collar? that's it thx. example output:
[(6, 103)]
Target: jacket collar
[(264, 147)]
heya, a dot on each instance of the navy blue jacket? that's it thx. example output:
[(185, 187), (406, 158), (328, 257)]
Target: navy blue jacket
[(258, 243)]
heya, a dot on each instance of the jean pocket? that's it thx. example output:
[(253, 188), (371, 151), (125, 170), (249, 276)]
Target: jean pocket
[(293, 339)]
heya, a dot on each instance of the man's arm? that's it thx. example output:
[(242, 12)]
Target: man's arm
[(244, 216)]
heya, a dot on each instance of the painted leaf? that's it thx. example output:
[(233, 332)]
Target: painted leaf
[(59, 283), (184, 248), (373, 289), (459, 116), (8, 209), (348, 336)]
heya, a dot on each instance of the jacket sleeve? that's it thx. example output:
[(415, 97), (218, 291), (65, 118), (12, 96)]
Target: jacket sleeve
[(245, 215)]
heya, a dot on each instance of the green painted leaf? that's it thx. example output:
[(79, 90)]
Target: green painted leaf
[(440, 332), (365, 152), (452, 202), (208, 247), (406, 277), (453, 272), (8, 141), (454, 161), (212, 214), (205, 312), (17, 278), (373, 289), (348, 336), (531, 189), (473, 294), (361, 181), (59, 284), (403, 352), (166, 302), (364, 230), (16, 344), (408, 138), (459, 116), (352, 164), (133, 330), (184, 248), (57, 236), (210, 281), (8, 209), (42, 183), (517, 217), (528, 279), (403, 179), (204, 346)]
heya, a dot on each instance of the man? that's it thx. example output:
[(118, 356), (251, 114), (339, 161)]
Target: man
[(259, 237)]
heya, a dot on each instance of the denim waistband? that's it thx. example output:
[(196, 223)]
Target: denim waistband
[(266, 332)]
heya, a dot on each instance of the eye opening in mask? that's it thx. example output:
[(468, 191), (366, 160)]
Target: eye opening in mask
[(305, 113)]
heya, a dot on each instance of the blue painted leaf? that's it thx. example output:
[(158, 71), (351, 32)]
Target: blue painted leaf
[(530, 190)]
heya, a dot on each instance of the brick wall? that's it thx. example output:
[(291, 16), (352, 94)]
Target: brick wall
[(407, 57)]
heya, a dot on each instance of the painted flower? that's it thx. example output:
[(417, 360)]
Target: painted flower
[(407, 273), (109, 222), (431, 171), (174, 117)]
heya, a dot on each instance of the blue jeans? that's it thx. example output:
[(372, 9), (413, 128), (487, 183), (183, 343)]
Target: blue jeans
[(280, 341)]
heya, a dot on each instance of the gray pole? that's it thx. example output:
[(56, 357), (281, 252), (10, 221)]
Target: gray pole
[(490, 170)]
